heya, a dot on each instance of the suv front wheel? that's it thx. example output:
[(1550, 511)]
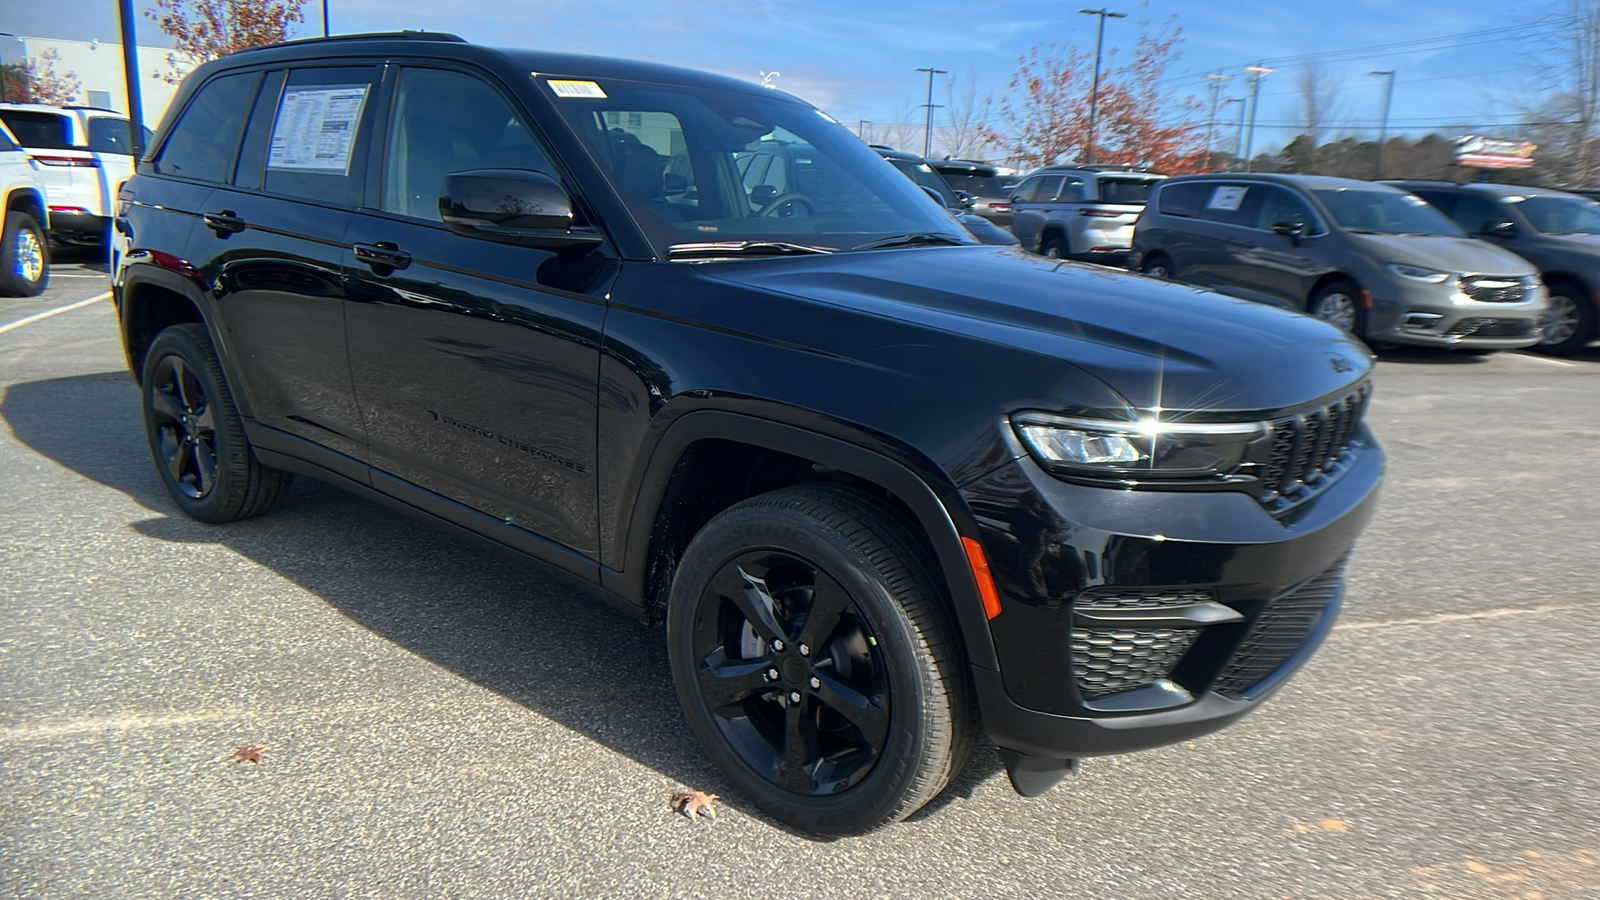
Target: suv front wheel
[(1568, 325), (1338, 304), (24, 257), (814, 661)]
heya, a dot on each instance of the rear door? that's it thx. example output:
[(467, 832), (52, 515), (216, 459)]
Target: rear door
[(1027, 213), (1227, 238), (272, 245), (476, 362), (1276, 266)]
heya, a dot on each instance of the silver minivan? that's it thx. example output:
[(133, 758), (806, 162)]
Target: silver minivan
[(1373, 259)]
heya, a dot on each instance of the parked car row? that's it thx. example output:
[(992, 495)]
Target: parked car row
[(24, 249), (84, 154)]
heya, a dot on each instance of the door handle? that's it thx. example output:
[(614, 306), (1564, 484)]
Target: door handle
[(224, 223), (385, 254)]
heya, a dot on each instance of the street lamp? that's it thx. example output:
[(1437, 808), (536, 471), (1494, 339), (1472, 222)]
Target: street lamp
[(1217, 81), (861, 128), (1094, 89), (1377, 166), (1257, 72), (927, 121)]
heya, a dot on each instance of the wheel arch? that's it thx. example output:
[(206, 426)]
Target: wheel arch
[(153, 296), (1562, 278), (707, 460), (30, 201), (1328, 278)]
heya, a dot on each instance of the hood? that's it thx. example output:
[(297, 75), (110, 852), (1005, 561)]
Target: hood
[(1156, 344), (1581, 244), (1459, 255)]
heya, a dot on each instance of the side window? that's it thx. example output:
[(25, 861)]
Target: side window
[(1233, 204), (1183, 200), (1443, 202), (1473, 212), (1072, 190), (1049, 188), (1280, 205), (6, 143), (205, 139), (1024, 191), (446, 122), (318, 134), (110, 134)]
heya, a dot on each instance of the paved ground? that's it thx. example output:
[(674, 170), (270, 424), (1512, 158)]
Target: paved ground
[(444, 723)]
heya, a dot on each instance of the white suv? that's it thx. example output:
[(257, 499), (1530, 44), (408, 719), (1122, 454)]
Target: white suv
[(86, 154), (23, 251)]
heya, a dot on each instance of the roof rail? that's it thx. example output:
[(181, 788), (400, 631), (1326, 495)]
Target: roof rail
[(368, 36)]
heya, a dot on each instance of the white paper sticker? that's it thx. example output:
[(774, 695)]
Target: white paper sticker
[(577, 90), (1227, 198), (316, 128)]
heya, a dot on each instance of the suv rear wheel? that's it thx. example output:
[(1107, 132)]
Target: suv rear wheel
[(24, 257), (1568, 324), (195, 435), (1157, 265), (1054, 246), (814, 662)]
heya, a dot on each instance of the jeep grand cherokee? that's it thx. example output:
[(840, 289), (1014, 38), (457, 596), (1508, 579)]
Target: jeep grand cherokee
[(886, 487)]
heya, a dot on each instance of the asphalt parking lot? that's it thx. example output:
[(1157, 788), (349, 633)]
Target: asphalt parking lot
[(440, 722)]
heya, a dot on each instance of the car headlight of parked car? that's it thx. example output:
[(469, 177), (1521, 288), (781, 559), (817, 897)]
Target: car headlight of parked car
[(1417, 273), (1117, 450)]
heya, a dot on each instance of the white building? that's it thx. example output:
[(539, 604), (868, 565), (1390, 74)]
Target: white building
[(98, 67)]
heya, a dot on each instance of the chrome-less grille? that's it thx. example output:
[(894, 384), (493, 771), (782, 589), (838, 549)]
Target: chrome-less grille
[(1480, 327), (1280, 631), (1491, 289), (1309, 449)]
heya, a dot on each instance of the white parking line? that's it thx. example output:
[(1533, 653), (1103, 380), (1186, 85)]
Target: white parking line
[(53, 312), (1545, 359)]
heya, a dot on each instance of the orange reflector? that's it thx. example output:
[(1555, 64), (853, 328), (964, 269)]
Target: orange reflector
[(980, 573), (1366, 299)]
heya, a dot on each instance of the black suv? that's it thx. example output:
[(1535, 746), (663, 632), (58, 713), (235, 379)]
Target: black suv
[(1558, 232), (886, 487), (990, 198)]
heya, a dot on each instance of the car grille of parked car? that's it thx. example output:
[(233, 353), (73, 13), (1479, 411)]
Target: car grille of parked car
[(1279, 631), (1489, 289), (1481, 327), (1310, 450)]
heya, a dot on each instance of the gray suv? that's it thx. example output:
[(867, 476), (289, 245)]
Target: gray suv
[(1368, 257), (1558, 232), (1081, 212)]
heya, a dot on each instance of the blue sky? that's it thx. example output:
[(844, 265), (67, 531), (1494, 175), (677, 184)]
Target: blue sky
[(857, 59)]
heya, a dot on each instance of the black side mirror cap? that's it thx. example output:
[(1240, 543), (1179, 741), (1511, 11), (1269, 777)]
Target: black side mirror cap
[(967, 198), (512, 206), (1498, 228), (1291, 230)]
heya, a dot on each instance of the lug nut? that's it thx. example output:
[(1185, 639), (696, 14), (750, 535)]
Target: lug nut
[(772, 674), (794, 696), (815, 682), (804, 650), (778, 646)]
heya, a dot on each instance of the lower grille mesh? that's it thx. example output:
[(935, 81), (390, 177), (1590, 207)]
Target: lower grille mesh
[(1108, 661), (1279, 632)]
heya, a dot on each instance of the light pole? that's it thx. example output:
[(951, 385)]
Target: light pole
[(1094, 89), (324, 18), (861, 128), (4, 98), (1377, 166), (1217, 81), (1257, 72), (130, 74), (927, 121)]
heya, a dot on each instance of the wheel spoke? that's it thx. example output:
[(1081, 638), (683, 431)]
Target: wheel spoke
[(188, 390), (724, 682), (828, 603), (165, 408), (205, 466), (796, 769), (755, 601), (173, 452), (205, 422), (860, 710)]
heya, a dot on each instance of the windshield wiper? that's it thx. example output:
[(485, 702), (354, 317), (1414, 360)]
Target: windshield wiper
[(915, 237), (714, 249)]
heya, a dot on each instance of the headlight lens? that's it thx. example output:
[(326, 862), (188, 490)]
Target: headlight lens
[(1142, 449), (1417, 273)]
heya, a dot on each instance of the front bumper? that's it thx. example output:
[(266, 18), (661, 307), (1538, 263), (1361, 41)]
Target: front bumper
[(1275, 587), (1435, 317)]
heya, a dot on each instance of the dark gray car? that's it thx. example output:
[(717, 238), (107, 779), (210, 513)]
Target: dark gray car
[(1558, 232), (1369, 257), (982, 181)]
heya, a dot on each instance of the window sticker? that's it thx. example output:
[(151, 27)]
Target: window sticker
[(1227, 198), (577, 90), (316, 129)]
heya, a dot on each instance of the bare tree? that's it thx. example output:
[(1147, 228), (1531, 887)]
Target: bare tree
[(964, 136), (1319, 93)]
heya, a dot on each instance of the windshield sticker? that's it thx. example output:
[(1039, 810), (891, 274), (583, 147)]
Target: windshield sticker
[(316, 129), (577, 90), (1228, 198)]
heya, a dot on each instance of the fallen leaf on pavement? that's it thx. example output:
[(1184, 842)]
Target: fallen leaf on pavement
[(694, 803), (250, 753)]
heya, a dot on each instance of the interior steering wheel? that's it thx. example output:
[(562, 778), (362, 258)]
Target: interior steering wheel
[(782, 200)]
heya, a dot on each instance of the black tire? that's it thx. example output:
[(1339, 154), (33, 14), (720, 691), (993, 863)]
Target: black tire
[(1055, 247), (1569, 325), (1339, 303), (834, 562), (196, 438), (24, 257), (1157, 265)]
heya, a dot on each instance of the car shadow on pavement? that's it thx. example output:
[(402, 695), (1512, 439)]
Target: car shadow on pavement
[(1431, 356), (531, 633)]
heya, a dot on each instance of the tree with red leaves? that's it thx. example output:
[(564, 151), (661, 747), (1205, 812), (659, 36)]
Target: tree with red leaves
[(1139, 121), (208, 29), (37, 81)]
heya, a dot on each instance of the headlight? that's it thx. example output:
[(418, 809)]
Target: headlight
[(1417, 273), (1142, 449)]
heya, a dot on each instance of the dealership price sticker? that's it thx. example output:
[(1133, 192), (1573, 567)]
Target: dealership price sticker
[(316, 129), (1228, 198)]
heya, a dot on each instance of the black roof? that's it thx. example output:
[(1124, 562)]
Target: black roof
[(892, 153), (1094, 167), (963, 166), (1308, 182), (1481, 187)]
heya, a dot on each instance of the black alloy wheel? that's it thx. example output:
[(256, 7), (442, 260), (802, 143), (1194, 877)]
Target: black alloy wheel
[(812, 655), (195, 434), (1157, 266)]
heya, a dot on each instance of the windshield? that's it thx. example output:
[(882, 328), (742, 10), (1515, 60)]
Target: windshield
[(39, 130), (701, 165), (1125, 190), (978, 185), (1560, 215), (925, 176), (1385, 212)]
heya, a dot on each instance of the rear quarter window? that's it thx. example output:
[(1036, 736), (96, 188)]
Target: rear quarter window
[(205, 139), (1124, 191), (39, 130), (1233, 204), (1183, 200)]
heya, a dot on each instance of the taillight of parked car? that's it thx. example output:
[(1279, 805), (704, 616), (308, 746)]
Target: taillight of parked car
[(86, 162), (1101, 213), (1000, 207)]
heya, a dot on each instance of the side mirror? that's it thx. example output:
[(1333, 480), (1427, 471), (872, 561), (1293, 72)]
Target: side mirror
[(1290, 230), (967, 198), (673, 185), (1498, 228), (512, 206), (762, 194)]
